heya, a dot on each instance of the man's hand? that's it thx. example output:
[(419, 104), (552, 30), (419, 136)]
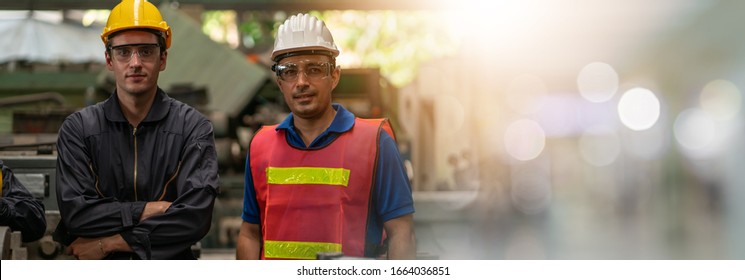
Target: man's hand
[(154, 208), (84, 248)]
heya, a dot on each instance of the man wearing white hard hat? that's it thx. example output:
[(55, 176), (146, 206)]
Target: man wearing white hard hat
[(322, 181)]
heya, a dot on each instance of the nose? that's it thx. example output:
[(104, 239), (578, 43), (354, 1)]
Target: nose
[(135, 60), (302, 78)]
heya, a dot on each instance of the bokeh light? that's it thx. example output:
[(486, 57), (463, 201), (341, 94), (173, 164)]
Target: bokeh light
[(597, 82), (531, 193), (721, 99), (697, 133), (639, 109), (524, 139)]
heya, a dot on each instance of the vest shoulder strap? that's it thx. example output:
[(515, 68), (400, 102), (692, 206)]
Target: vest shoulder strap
[(383, 123)]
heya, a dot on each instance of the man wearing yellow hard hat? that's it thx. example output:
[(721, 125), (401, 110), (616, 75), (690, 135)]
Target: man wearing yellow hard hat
[(136, 173), (322, 181)]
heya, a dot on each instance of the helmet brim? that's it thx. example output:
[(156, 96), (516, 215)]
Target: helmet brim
[(279, 55)]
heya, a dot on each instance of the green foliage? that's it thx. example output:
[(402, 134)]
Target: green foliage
[(258, 29), (216, 24), (396, 42)]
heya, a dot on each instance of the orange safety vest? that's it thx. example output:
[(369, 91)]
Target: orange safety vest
[(315, 200)]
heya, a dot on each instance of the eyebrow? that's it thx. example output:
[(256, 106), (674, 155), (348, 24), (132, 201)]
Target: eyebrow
[(312, 63), (135, 45)]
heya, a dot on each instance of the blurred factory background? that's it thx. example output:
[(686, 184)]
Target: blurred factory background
[(531, 129)]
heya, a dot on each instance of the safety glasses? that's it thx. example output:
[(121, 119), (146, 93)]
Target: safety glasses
[(289, 72), (146, 52)]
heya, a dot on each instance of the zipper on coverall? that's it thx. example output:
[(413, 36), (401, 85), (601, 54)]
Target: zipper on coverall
[(134, 136)]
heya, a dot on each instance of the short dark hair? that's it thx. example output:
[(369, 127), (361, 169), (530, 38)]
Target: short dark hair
[(161, 37)]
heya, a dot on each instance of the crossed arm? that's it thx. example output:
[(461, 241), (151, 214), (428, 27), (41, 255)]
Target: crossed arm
[(98, 224), (86, 248)]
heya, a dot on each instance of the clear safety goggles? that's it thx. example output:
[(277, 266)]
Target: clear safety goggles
[(146, 52), (289, 72)]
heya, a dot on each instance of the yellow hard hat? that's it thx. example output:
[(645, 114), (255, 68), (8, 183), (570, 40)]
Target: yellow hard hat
[(130, 14)]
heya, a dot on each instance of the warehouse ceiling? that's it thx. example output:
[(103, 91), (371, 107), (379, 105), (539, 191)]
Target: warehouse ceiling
[(235, 4)]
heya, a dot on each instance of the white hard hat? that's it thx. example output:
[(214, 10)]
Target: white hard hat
[(303, 34)]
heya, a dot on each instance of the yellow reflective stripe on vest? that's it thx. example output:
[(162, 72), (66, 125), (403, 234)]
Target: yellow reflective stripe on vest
[(1, 182), (297, 250), (307, 175)]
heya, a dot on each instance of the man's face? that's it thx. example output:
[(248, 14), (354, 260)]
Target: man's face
[(306, 83), (136, 61)]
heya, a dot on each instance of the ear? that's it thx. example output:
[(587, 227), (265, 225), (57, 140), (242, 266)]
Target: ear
[(109, 64), (335, 76), (163, 59)]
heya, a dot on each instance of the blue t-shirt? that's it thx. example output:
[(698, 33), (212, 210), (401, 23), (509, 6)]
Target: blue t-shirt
[(392, 188)]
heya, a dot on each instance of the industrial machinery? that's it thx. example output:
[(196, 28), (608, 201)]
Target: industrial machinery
[(35, 168)]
